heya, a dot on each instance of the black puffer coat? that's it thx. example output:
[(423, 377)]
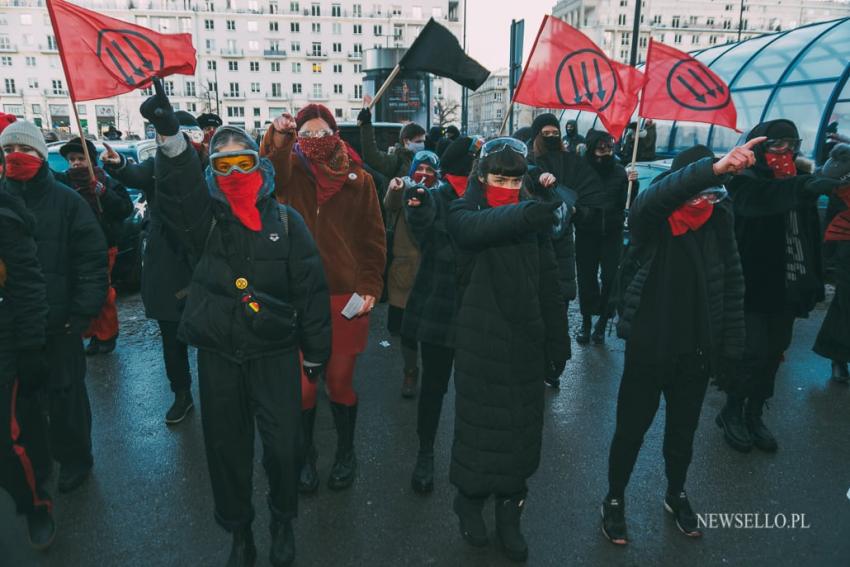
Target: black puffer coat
[(724, 283), (279, 261), (429, 315), (603, 212), (71, 251), (166, 269), (23, 295), (110, 209), (511, 320)]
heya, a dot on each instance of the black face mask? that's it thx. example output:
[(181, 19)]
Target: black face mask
[(601, 163), (552, 143)]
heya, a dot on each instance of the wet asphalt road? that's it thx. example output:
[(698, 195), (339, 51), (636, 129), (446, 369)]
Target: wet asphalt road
[(148, 502)]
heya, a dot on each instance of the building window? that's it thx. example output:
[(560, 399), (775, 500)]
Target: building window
[(317, 68), (336, 10), (255, 88), (626, 38), (296, 88), (709, 22), (677, 39), (210, 43), (233, 65), (212, 86), (32, 83), (675, 22), (295, 47), (209, 24), (621, 20), (169, 87), (398, 32), (317, 27), (358, 29), (231, 25), (58, 89), (656, 20), (273, 26), (337, 48), (6, 61), (234, 89), (316, 49), (712, 40), (694, 39), (189, 88), (294, 7), (275, 66), (36, 109), (358, 68), (9, 85), (257, 113), (51, 43), (315, 9), (337, 89), (273, 7), (337, 68), (236, 112), (357, 11), (396, 10), (254, 66), (31, 62), (358, 92), (296, 67), (276, 90), (295, 27), (211, 66), (377, 30), (336, 28), (317, 90), (693, 20)]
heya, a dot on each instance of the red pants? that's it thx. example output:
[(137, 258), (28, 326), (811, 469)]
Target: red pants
[(349, 340), (105, 327)]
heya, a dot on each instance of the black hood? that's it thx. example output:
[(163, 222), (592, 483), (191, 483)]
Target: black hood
[(779, 128)]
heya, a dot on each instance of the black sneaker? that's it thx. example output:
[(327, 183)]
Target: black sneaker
[(42, 528), (181, 407), (422, 480), (614, 521), (679, 506)]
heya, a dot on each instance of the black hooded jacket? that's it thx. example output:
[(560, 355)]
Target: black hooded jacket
[(603, 212)]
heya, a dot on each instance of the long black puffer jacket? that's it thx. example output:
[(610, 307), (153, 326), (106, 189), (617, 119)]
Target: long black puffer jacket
[(166, 268), (23, 295), (429, 315), (722, 265), (71, 250), (281, 261), (511, 319)]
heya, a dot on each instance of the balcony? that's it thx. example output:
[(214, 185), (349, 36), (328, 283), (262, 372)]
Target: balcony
[(8, 48), (55, 93), (275, 53), (48, 49), (355, 98), (13, 93), (233, 96), (232, 53), (317, 55), (277, 96), (355, 55), (319, 97)]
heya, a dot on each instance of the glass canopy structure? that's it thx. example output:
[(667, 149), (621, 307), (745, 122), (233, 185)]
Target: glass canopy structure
[(800, 74)]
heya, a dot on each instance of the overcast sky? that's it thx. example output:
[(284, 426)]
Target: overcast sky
[(488, 28)]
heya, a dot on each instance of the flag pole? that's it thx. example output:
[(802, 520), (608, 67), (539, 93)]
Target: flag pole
[(640, 122), (385, 86), (507, 116)]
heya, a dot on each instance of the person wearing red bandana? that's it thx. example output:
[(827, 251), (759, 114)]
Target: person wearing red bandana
[(73, 258), (429, 314), (404, 257), (681, 317), (779, 236), (258, 297), (322, 178), (110, 204), (510, 334)]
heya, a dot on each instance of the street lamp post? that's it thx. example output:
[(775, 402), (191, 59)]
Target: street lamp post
[(464, 113), (633, 60), (740, 20)]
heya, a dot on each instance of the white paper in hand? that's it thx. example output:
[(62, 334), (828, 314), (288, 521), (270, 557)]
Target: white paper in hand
[(353, 307)]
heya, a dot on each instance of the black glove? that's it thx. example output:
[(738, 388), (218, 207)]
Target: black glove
[(822, 185), (555, 368), (541, 215), (158, 111), (416, 192), (365, 117), (313, 373), (33, 369)]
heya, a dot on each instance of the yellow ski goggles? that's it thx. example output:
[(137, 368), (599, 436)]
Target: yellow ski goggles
[(241, 161)]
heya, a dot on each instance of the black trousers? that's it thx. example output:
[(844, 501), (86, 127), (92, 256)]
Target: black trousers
[(234, 396), (597, 260), (437, 362), (683, 384), (768, 337), (19, 440), (176, 355)]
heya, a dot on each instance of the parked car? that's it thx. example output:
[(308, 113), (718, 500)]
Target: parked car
[(128, 265)]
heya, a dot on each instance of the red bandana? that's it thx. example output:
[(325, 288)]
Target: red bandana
[(21, 166), (499, 196), (329, 159), (458, 183), (690, 216), (782, 164), (427, 179), (240, 190)]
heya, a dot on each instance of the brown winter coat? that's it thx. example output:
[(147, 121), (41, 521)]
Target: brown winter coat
[(348, 228), (405, 252)]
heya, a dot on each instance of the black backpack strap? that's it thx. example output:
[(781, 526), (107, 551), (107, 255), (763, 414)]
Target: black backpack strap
[(283, 213)]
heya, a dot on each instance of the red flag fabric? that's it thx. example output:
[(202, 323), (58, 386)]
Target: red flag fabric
[(567, 70), (678, 87), (104, 57)]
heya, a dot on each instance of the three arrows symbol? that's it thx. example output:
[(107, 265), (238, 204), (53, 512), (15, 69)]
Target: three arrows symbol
[(712, 91), (588, 92), (145, 62)]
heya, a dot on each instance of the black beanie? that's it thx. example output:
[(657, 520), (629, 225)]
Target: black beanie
[(75, 145), (186, 119), (209, 120), (689, 156), (781, 129), (547, 119), (456, 159)]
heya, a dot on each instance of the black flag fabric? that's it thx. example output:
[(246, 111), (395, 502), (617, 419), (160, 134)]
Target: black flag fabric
[(436, 50)]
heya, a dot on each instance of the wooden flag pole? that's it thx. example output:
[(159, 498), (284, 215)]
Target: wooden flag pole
[(638, 126), (85, 149), (507, 116), (385, 86)]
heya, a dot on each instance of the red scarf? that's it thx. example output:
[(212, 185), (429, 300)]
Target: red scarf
[(839, 227), (329, 160), (782, 164), (690, 216), (499, 196), (240, 190), (427, 179), (458, 183), (21, 166)]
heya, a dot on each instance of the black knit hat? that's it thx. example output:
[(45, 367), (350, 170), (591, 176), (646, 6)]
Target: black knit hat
[(593, 138), (547, 119), (209, 120), (689, 156), (74, 145), (186, 119), (838, 164), (456, 159)]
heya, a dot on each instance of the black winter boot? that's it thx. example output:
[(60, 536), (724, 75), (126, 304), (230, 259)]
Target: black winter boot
[(243, 552), (422, 480), (282, 552), (107, 346), (508, 513), (344, 468), (762, 437), (308, 481), (472, 526), (598, 336), (181, 407), (839, 372), (583, 337), (614, 521), (42, 528), (731, 421)]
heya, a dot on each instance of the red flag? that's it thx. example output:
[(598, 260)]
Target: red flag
[(104, 57), (567, 70), (678, 87)]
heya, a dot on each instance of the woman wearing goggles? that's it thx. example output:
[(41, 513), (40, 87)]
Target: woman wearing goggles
[(241, 161)]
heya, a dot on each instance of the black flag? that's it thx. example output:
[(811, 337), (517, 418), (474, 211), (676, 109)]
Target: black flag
[(438, 51)]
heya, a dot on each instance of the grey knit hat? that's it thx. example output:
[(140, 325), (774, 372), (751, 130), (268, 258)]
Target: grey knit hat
[(838, 164), (24, 134)]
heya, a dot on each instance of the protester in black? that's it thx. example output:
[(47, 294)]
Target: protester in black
[(23, 368), (511, 333), (647, 137), (573, 141), (681, 317), (258, 296), (778, 232), (599, 236), (72, 254), (111, 205)]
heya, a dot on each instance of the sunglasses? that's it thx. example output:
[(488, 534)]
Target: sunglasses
[(712, 196), (780, 145), (241, 161), (501, 144), (314, 133)]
